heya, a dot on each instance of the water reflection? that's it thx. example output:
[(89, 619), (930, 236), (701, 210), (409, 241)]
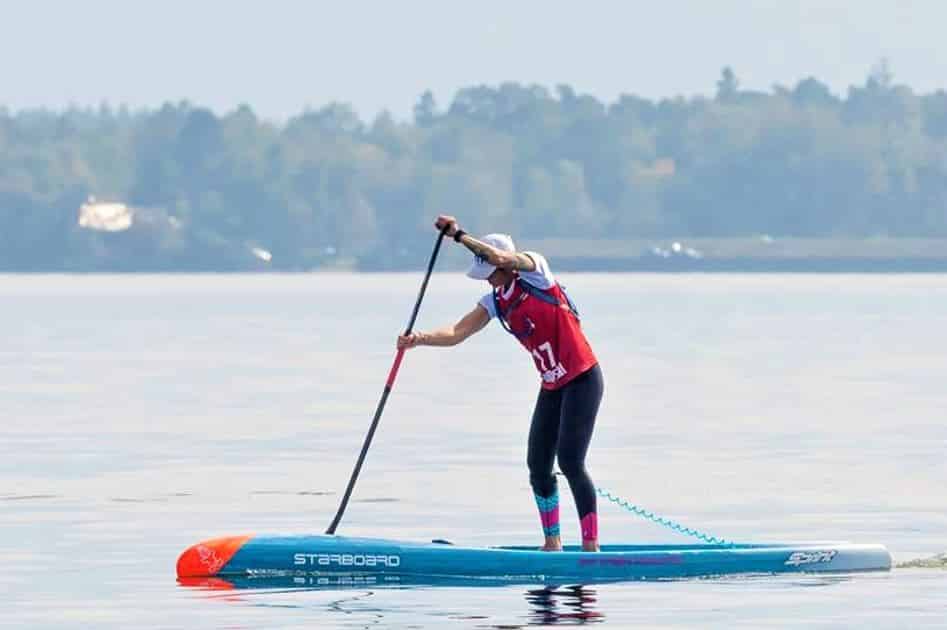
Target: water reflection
[(563, 605), (545, 604)]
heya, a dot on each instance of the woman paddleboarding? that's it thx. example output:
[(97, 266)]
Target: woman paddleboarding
[(534, 308)]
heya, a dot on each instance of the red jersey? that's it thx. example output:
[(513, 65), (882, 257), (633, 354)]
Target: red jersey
[(546, 325)]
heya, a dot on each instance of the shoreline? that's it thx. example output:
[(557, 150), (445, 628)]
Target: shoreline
[(760, 254)]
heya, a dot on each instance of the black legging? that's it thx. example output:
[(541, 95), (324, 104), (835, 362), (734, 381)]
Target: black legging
[(562, 426)]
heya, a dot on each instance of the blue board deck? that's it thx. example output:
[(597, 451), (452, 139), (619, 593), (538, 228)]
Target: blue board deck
[(321, 555)]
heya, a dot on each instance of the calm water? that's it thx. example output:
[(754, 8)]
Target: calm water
[(139, 414)]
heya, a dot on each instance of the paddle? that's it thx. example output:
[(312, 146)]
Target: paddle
[(388, 385)]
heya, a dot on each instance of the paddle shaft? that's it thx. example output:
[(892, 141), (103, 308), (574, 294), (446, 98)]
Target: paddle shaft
[(392, 374)]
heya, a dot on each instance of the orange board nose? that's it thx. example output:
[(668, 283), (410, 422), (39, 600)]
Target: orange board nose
[(205, 559)]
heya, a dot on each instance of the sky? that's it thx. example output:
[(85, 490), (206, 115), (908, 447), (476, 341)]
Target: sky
[(283, 56)]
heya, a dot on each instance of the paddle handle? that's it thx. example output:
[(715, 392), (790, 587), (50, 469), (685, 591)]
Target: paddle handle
[(392, 374)]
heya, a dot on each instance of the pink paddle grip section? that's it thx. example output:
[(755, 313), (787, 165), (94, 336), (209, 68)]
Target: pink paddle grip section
[(394, 369)]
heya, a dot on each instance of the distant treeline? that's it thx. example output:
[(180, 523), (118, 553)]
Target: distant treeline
[(327, 188)]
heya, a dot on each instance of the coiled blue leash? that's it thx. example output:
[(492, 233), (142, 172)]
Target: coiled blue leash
[(660, 520)]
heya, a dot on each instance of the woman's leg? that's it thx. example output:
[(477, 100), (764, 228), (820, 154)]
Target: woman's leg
[(540, 458), (580, 402)]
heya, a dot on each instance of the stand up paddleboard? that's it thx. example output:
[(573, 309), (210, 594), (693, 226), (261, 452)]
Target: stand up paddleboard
[(322, 555)]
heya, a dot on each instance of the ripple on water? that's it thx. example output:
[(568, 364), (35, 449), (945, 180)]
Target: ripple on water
[(938, 561), (29, 497)]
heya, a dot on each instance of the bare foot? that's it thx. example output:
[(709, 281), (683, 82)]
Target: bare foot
[(590, 545), (553, 543)]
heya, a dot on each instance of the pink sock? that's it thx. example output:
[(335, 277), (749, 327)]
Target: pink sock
[(589, 524)]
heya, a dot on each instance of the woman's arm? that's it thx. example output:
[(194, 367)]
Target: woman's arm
[(512, 261), (470, 323)]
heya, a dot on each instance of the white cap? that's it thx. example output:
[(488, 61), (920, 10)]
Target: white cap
[(481, 269)]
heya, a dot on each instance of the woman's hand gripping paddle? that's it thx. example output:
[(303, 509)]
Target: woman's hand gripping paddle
[(388, 385)]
